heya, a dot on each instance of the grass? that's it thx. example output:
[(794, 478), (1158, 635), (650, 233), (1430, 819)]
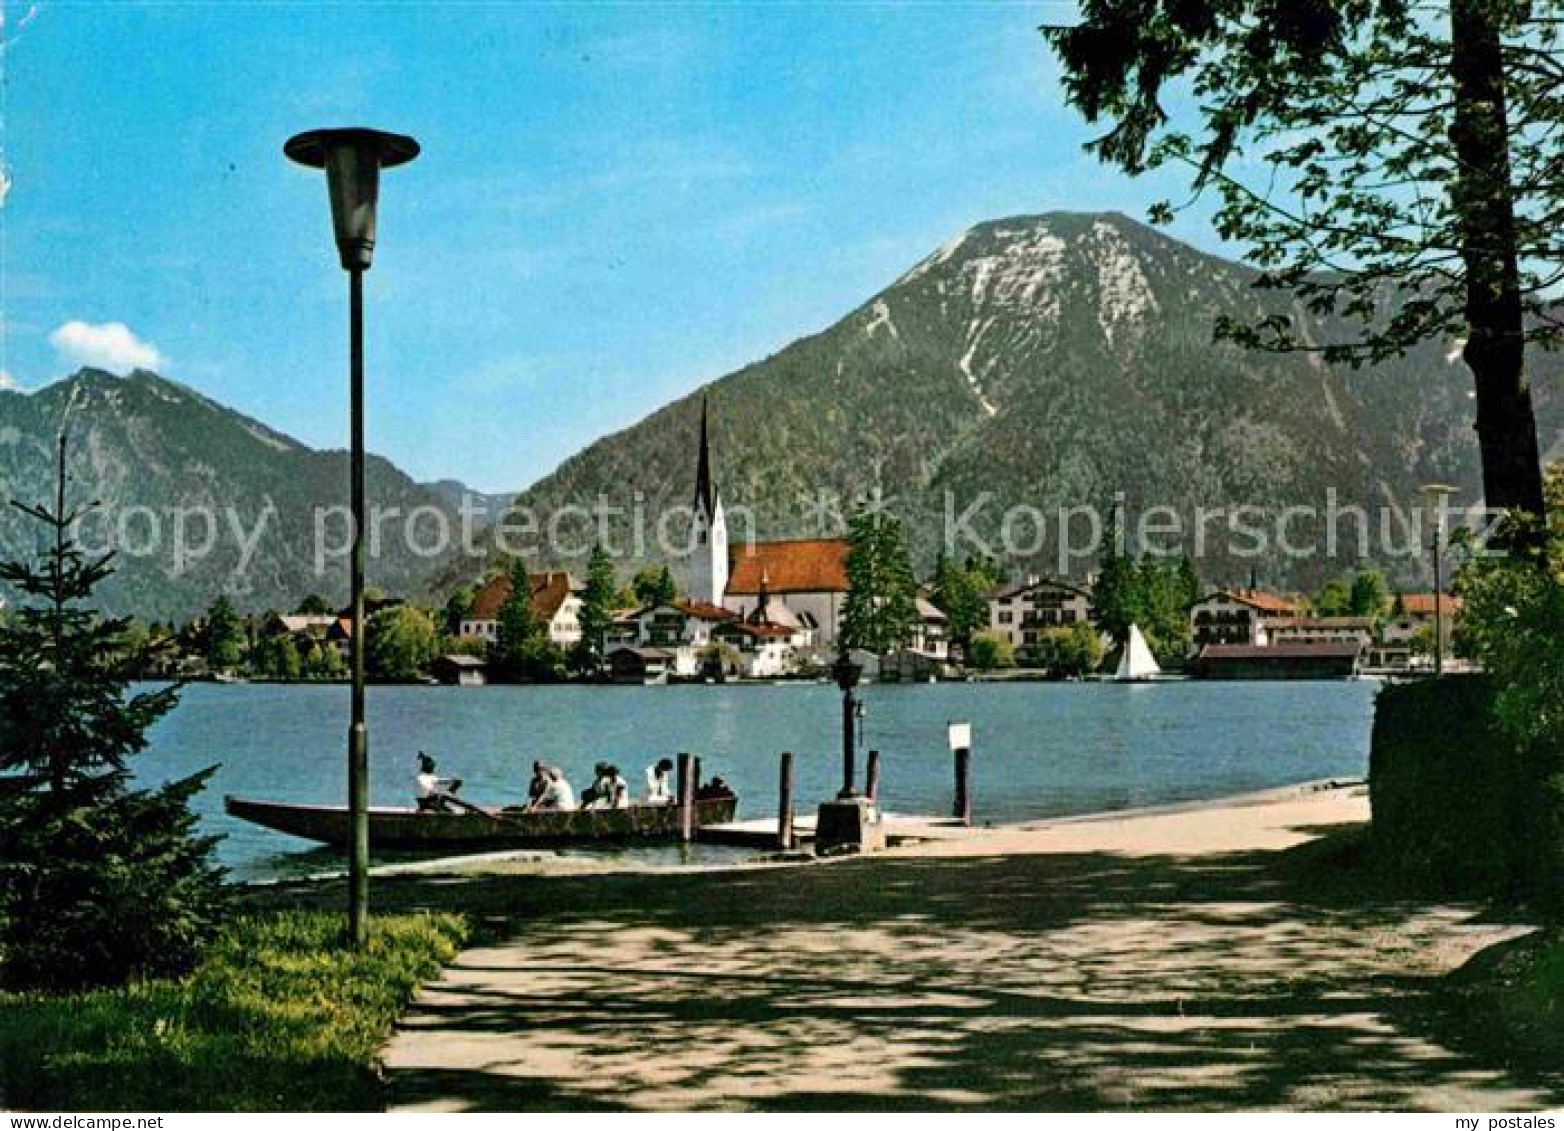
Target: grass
[(278, 1016)]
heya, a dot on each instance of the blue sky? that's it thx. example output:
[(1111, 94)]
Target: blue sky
[(616, 203)]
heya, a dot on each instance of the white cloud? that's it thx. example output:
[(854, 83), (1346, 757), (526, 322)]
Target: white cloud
[(105, 345), (7, 381)]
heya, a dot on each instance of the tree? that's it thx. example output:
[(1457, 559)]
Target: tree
[(1068, 650), (1370, 596), (881, 607), (225, 637), (521, 647), (1392, 165), (961, 593), (1117, 595), (457, 609), (988, 652), (277, 657), (1333, 600), (399, 643), (313, 606), (323, 661), (654, 586), (597, 610), (98, 882)]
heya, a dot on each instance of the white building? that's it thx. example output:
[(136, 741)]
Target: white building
[(1020, 613), (1236, 616), (555, 598)]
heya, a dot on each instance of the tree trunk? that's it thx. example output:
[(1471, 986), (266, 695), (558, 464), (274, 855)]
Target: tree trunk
[(1483, 197)]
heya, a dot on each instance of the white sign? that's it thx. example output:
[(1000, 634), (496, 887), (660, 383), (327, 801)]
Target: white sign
[(960, 736)]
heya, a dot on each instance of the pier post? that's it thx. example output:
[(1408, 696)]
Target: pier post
[(685, 786), (963, 807), (785, 803), (871, 785)]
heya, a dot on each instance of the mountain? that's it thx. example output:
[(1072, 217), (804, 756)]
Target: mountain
[(1053, 361), (165, 462), (485, 508)]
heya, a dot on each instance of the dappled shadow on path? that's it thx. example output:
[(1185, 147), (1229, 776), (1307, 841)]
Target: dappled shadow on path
[(1087, 981)]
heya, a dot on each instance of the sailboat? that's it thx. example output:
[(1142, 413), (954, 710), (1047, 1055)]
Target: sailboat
[(1137, 662)]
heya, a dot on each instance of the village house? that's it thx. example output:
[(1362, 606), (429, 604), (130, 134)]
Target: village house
[(1021, 612), (1321, 630), (555, 598), (1237, 616)]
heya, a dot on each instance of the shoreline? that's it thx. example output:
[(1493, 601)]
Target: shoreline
[(979, 837)]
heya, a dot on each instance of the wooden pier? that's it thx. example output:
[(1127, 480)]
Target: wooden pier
[(762, 832)]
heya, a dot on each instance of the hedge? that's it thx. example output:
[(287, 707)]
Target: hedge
[(1457, 804)]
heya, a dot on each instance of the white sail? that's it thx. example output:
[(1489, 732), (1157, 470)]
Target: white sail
[(1137, 662)]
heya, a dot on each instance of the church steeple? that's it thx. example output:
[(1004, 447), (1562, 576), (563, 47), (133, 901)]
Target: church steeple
[(709, 528), (705, 488)]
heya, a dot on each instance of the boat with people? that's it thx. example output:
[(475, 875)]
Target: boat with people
[(481, 828)]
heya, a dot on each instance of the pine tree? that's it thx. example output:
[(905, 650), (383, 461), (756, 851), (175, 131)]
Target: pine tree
[(597, 609), (881, 608), (521, 647), (225, 637), (98, 882)]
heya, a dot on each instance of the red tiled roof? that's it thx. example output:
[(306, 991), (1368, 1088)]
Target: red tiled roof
[(703, 610), (1422, 604), (1257, 599), (549, 591), (806, 565)]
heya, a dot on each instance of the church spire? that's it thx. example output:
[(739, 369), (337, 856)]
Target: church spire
[(705, 489)]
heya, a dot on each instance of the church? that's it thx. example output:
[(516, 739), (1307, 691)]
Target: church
[(799, 584)]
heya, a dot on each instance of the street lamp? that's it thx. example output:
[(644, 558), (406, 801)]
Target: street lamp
[(1438, 495), (352, 159), (846, 674)]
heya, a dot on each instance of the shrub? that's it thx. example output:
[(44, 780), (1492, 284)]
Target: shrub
[(988, 652)]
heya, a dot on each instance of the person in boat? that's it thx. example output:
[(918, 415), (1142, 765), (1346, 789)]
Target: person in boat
[(715, 790), (557, 795), (432, 791), (595, 796), (538, 785), (616, 791), (659, 782)]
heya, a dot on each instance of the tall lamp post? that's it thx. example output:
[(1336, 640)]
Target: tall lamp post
[(352, 159), (846, 673), (1438, 495)]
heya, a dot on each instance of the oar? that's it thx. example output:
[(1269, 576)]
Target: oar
[(468, 805)]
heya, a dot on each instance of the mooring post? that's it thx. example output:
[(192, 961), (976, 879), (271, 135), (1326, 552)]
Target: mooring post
[(685, 795), (963, 806), (785, 803), (871, 785)]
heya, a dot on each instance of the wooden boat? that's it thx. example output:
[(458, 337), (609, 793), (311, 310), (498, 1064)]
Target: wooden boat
[(480, 828)]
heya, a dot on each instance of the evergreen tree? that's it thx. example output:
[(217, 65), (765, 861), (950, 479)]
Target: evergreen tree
[(98, 882), (597, 610), (521, 647), (457, 609), (654, 586), (881, 607), (1117, 594), (225, 636)]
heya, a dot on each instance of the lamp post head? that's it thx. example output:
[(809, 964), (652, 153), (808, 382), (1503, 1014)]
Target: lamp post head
[(352, 159), (1438, 494)]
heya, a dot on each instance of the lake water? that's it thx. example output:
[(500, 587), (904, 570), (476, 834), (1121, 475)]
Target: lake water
[(1040, 749)]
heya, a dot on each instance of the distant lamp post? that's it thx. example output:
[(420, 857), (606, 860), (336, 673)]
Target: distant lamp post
[(1438, 496), (352, 159), (847, 673)]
